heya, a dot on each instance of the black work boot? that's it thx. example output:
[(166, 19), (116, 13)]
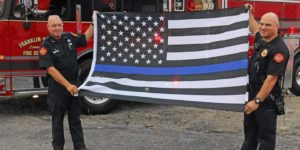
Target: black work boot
[(80, 147)]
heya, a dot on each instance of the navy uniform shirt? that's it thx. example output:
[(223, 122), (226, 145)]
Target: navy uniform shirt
[(61, 54), (270, 58)]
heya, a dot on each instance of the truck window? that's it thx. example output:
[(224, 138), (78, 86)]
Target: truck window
[(142, 6), (66, 9), (44, 8), (2, 2), (105, 5), (41, 9), (151, 6), (58, 7), (128, 5), (86, 9)]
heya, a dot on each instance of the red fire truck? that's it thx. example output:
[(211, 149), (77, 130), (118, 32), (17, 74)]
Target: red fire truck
[(23, 27)]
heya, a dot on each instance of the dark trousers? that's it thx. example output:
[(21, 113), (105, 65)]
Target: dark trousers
[(260, 128), (58, 106)]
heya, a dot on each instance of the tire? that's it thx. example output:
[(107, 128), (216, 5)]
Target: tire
[(296, 77), (93, 105)]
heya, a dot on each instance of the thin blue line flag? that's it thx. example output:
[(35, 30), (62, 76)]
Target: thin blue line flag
[(195, 59)]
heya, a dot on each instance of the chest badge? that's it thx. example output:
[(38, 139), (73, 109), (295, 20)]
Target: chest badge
[(69, 44), (264, 53)]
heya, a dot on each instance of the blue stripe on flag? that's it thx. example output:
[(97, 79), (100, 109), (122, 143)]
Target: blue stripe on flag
[(229, 66)]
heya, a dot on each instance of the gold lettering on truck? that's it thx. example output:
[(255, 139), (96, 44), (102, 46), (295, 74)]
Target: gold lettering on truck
[(29, 41)]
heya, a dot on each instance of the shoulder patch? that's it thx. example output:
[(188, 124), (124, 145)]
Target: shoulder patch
[(43, 51), (279, 57)]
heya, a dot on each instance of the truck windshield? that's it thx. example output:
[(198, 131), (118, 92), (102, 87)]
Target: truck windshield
[(2, 2)]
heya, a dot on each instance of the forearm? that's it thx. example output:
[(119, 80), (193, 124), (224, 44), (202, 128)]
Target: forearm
[(58, 77), (267, 87), (89, 32), (254, 26)]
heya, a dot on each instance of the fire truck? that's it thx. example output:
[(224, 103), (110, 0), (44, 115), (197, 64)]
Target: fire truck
[(23, 27)]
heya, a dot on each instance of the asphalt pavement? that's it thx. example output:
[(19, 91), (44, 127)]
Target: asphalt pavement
[(25, 125)]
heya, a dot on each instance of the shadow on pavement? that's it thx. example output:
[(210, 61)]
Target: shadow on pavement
[(24, 105)]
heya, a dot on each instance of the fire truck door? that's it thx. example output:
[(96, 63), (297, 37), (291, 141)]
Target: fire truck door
[(24, 45), (4, 47)]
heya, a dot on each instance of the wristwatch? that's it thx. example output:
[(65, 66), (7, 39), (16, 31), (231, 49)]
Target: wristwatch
[(257, 100)]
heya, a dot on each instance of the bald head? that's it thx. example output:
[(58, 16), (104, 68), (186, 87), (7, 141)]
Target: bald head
[(55, 26), (269, 26), (272, 17), (54, 18)]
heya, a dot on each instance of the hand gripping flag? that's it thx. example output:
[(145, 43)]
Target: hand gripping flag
[(195, 59)]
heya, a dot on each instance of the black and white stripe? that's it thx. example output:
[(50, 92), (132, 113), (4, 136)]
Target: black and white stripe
[(192, 39)]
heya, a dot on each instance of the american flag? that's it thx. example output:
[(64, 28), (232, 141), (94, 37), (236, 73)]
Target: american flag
[(195, 59)]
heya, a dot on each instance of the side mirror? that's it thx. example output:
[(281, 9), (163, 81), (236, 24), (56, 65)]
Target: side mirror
[(22, 10), (19, 11), (29, 9)]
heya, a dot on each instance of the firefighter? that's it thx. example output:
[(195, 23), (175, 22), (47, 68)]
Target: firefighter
[(58, 55), (267, 66)]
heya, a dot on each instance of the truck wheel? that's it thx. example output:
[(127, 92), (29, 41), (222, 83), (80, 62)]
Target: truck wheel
[(97, 105), (296, 78), (93, 105)]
